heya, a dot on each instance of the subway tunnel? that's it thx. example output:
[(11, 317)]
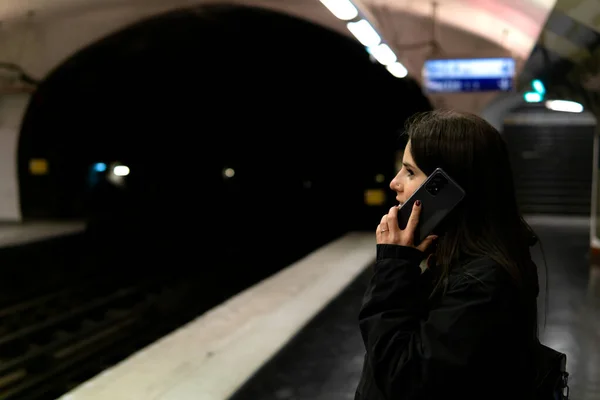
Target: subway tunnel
[(303, 116)]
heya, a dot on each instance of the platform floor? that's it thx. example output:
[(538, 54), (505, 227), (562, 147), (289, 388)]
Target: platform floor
[(325, 359), (13, 234)]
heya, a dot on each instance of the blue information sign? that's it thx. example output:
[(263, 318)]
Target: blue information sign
[(469, 75)]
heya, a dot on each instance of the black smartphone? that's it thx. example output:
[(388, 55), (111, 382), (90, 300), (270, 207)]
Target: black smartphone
[(439, 195)]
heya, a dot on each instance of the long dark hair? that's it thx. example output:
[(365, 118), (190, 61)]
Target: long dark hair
[(488, 221)]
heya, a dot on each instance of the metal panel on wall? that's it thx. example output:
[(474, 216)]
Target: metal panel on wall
[(552, 163)]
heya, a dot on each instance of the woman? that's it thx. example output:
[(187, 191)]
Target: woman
[(454, 317)]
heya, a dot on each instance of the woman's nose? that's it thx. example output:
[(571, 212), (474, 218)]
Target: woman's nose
[(394, 185)]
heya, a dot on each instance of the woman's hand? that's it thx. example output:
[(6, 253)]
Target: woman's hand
[(388, 231)]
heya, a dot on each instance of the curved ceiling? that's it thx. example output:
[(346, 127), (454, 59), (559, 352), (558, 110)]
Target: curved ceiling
[(41, 34), (511, 24)]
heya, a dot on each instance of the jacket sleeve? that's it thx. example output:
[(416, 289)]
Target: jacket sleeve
[(411, 354)]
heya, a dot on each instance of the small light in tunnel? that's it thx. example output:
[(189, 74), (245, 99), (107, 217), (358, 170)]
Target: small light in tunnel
[(532, 97), (379, 178), (383, 54), (229, 172), (398, 70), (342, 9), (38, 166), (364, 32), (100, 167), (375, 197), (564, 106), (121, 170)]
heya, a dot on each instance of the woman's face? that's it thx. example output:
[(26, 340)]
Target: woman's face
[(408, 179)]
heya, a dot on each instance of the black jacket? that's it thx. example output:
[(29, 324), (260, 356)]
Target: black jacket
[(471, 342)]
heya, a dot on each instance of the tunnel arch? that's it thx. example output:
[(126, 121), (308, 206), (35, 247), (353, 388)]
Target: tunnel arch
[(301, 112)]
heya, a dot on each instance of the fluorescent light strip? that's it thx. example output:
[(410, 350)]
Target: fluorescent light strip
[(341, 9)]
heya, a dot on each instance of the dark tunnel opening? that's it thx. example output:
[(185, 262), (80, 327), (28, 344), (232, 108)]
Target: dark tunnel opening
[(300, 113)]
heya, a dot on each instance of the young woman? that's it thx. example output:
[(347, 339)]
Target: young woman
[(453, 317)]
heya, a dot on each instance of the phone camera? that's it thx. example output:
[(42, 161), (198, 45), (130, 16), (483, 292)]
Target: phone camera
[(433, 189), (437, 183)]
